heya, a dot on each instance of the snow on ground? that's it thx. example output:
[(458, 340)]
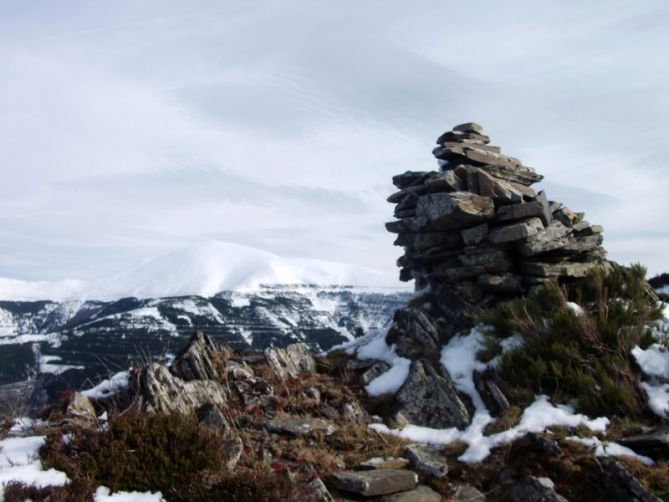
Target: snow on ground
[(15, 290), (459, 358), (108, 387), (575, 308), (654, 361), (609, 449), (103, 494), (19, 461), (375, 347)]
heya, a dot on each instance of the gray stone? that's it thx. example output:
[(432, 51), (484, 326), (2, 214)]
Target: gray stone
[(421, 494), (375, 371), (409, 178), (454, 210), (396, 227), (490, 393), (426, 460), (428, 398), (533, 489), (463, 137), (413, 333), (566, 269), (320, 491), (489, 257), (520, 175), (163, 392), (469, 127), (501, 283), (384, 463), (446, 181), (551, 238), (618, 484), (197, 360), (474, 235), (80, 409), (499, 190), (354, 412), (467, 493), (290, 362), (515, 231), (375, 482), (566, 216), (210, 416), (233, 447), (538, 208), (301, 426), (654, 444)]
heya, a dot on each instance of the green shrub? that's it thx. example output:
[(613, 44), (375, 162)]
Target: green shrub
[(586, 357)]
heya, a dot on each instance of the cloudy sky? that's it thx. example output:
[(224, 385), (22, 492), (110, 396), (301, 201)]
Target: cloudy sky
[(132, 128)]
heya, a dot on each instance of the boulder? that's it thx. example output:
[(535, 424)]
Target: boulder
[(301, 426), (290, 362), (533, 489), (428, 398), (426, 460), (375, 482), (199, 360)]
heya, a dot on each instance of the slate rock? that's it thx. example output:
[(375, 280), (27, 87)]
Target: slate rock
[(197, 361), (291, 361), (654, 444), (469, 127), (454, 210), (408, 178), (420, 494), (80, 409), (474, 235), (428, 398), (515, 231), (426, 460), (553, 237), (161, 391), (565, 269), (384, 463), (490, 393), (467, 493), (533, 489), (501, 283), (375, 371), (375, 482), (538, 208), (616, 483), (501, 191), (301, 426)]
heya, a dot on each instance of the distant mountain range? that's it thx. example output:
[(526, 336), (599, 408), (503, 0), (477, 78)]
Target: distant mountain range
[(247, 298)]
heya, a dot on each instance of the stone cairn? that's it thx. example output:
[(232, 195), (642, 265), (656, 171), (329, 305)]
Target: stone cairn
[(474, 233)]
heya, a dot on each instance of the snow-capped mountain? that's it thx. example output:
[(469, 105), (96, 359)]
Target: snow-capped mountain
[(243, 297)]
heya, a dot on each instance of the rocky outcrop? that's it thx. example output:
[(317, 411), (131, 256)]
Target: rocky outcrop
[(290, 362)]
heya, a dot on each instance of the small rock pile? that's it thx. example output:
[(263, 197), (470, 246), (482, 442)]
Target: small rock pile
[(476, 231)]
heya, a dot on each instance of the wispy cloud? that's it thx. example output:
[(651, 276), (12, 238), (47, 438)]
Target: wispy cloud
[(131, 128)]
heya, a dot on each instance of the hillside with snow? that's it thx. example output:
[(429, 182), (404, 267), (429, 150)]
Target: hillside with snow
[(205, 270)]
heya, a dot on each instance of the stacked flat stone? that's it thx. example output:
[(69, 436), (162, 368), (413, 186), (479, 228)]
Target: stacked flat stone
[(479, 226), (474, 233)]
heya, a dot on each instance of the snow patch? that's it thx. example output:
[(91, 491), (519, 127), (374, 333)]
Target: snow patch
[(658, 398), (654, 361), (19, 461), (575, 308), (108, 387), (610, 449), (103, 494), (459, 359), (375, 347)]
